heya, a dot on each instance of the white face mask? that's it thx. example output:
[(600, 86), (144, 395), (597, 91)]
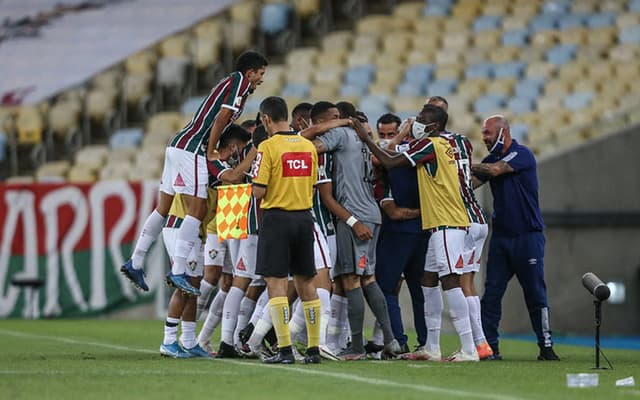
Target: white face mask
[(499, 144), (420, 131)]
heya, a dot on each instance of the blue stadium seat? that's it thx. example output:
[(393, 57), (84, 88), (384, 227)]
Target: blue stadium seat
[(518, 37), (513, 69), (374, 101), (529, 87), (521, 105), (403, 115), (411, 89), (519, 131), (487, 22), (630, 35), (190, 106), (296, 90), (556, 7), (571, 21), (3, 146), (489, 103), (479, 71), (543, 22), (442, 87), (576, 101), (419, 74), (123, 138), (252, 106), (361, 75), (561, 54), (353, 90), (601, 20), (436, 10), (634, 5), (274, 18)]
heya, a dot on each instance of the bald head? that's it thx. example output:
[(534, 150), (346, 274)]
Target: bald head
[(496, 129), (439, 101)]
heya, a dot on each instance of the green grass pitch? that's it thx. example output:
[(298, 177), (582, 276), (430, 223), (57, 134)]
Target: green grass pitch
[(113, 359)]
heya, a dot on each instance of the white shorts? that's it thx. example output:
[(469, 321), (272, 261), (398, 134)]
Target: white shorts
[(195, 261), (245, 267), (215, 253), (321, 251), (445, 253), (473, 245), (185, 173)]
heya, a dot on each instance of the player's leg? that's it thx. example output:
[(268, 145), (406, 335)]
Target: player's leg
[(230, 311), (214, 316), (247, 305), (499, 273), (413, 272), (214, 255), (193, 171), (528, 256)]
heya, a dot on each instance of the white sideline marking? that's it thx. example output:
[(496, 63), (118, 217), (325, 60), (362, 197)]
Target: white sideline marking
[(114, 372), (303, 370)]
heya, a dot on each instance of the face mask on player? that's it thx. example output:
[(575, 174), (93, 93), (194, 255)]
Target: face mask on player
[(420, 131), (383, 143), (498, 145)]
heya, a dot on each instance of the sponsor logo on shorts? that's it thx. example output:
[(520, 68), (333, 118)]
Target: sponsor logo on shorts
[(473, 256), (296, 164), (241, 265), (533, 261), (362, 264), (460, 262), (213, 253), (178, 181), (193, 265)]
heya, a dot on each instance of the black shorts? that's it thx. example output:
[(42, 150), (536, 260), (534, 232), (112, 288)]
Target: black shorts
[(285, 244)]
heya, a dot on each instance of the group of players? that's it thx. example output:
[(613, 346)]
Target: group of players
[(431, 229)]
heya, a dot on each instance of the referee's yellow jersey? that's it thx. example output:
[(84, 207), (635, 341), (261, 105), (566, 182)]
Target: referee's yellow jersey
[(287, 165)]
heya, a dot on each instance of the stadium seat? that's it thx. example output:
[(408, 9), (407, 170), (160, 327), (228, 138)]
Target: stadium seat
[(80, 174), (436, 10), (630, 35), (501, 86), (601, 20), (29, 126), (516, 37), (274, 18), (571, 21), (489, 104), (627, 20), (449, 71), (543, 22), (471, 88), (296, 90), (419, 74), (353, 90), (605, 36), (53, 171), (519, 131), (411, 89), (338, 40), (361, 75), (479, 71), (442, 87), (64, 119), (529, 87), (407, 104), (561, 54), (578, 100), (487, 22), (489, 39), (514, 22), (175, 46), (124, 138), (521, 105), (512, 69)]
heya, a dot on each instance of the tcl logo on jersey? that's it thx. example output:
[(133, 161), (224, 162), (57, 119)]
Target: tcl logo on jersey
[(296, 164)]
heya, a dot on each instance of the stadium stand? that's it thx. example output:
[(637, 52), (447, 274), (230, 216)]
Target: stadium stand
[(542, 63)]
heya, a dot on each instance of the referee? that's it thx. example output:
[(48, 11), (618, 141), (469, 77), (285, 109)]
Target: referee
[(286, 170)]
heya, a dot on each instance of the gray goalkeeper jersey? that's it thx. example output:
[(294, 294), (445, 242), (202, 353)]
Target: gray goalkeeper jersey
[(352, 173)]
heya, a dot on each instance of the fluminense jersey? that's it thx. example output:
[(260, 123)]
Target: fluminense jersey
[(462, 149), (231, 92), (441, 205), (321, 213)]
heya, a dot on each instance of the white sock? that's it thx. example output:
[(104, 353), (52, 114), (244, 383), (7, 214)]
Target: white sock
[(433, 316), (334, 328), (474, 318), (149, 233), (213, 317), (325, 311), (188, 336), (263, 325), (205, 292), (262, 302), (459, 311), (297, 323), (244, 315), (378, 336), (230, 314), (187, 236), (170, 330), (345, 336)]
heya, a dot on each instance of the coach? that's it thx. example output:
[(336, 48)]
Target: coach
[(517, 242)]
